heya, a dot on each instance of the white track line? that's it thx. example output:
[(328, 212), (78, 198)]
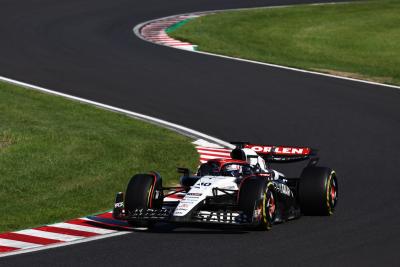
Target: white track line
[(300, 70), (137, 28), (172, 126)]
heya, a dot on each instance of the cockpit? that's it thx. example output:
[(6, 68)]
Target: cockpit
[(234, 169)]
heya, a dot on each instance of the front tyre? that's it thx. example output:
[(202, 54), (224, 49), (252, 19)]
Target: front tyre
[(258, 202), (268, 208), (318, 191), (143, 192)]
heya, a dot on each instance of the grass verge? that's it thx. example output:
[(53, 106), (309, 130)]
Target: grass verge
[(61, 159), (359, 40)]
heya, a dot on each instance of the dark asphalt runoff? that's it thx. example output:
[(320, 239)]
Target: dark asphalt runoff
[(87, 49)]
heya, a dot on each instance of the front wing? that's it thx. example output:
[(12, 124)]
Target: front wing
[(165, 214)]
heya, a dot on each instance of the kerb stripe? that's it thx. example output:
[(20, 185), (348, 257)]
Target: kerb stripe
[(65, 231), (29, 238)]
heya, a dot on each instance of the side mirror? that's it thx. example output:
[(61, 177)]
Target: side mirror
[(184, 171)]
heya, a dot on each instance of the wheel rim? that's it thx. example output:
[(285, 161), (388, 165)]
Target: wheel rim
[(332, 193), (270, 207)]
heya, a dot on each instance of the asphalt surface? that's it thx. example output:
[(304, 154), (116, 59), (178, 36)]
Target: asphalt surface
[(87, 49)]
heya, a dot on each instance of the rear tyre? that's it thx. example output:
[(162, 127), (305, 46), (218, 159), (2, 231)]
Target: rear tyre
[(142, 193), (318, 191), (257, 198)]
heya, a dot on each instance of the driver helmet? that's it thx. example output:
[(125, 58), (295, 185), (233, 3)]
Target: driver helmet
[(234, 170)]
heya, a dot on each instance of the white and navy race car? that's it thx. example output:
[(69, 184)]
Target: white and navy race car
[(241, 191)]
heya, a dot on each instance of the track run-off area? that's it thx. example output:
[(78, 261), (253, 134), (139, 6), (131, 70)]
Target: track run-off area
[(87, 49)]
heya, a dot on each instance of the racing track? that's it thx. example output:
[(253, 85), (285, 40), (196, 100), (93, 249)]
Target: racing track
[(87, 49)]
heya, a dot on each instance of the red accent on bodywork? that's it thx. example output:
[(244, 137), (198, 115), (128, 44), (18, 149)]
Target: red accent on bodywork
[(222, 161), (106, 215), (152, 191), (176, 196)]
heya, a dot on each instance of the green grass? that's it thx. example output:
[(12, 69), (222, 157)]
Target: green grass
[(61, 159), (360, 40)]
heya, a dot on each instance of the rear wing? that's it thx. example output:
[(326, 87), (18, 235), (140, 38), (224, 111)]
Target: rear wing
[(279, 153)]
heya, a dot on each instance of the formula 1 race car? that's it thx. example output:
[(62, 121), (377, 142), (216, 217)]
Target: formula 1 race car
[(241, 191)]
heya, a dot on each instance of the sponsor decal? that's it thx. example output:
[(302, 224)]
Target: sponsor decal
[(194, 194), (284, 189), (257, 213), (189, 201), (280, 150), (210, 216), (199, 185), (119, 205)]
